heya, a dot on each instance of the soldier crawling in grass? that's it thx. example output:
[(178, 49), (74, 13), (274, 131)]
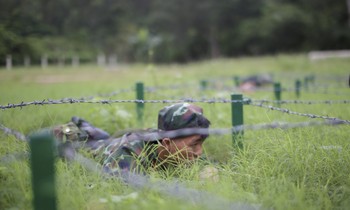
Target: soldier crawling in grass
[(130, 152)]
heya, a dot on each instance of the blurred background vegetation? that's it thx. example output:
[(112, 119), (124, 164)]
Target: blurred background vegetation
[(169, 31)]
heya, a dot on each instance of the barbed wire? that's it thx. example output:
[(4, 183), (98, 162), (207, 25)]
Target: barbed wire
[(110, 101), (287, 111), (310, 89), (236, 129), (213, 85), (166, 101), (244, 101), (151, 89), (307, 102), (158, 134), (269, 88), (8, 131)]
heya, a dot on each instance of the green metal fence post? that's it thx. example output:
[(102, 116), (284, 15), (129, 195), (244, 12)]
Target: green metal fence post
[(312, 79), (140, 106), (306, 83), (277, 90), (236, 80), (297, 88), (43, 154), (237, 119)]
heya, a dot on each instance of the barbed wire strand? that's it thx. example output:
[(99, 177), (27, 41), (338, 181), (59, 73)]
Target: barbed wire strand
[(109, 101), (188, 100), (151, 136), (313, 88), (236, 129), (287, 111), (245, 101), (18, 135), (307, 102), (213, 86), (155, 135)]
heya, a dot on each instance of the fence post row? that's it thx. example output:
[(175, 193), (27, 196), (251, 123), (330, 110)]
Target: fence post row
[(140, 106), (43, 154), (44, 62), (237, 120), (8, 62), (26, 61), (75, 61)]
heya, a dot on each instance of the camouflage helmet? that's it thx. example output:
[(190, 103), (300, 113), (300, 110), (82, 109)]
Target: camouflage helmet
[(181, 115)]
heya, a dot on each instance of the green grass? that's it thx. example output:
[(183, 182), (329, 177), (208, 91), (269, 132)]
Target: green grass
[(278, 169)]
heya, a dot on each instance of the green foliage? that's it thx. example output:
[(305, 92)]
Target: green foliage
[(169, 31), (14, 45), (282, 27)]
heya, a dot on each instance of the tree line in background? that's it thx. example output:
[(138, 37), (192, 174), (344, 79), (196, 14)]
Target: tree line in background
[(169, 31)]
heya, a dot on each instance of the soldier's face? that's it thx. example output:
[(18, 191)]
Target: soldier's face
[(186, 148)]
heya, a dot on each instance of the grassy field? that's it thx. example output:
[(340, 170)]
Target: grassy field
[(299, 168)]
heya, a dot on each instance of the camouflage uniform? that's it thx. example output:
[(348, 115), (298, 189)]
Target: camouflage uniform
[(131, 151)]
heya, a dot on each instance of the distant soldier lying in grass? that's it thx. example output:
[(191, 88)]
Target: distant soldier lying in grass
[(251, 83), (131, 152)]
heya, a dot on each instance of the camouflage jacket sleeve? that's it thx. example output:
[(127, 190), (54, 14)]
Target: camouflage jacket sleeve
[(115, 154), (122, 155)]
